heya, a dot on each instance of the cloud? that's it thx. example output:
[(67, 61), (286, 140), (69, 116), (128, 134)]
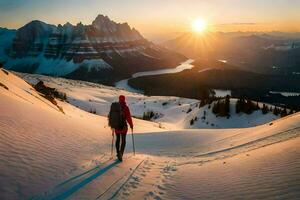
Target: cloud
[(237, 24)]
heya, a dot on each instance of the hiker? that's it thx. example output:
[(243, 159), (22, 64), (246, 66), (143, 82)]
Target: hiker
[(119, 116)]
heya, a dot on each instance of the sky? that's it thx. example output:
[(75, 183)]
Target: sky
[(154, 17)]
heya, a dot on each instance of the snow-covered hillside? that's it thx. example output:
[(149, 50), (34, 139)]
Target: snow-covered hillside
[(48, 154), (170, 112), (40, 145)]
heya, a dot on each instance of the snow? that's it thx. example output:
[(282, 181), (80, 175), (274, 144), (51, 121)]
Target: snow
[(223, 61), (207, 69), (266, 173), (240, 120), (45, 154), (172, 112), (286, 94), (56, 67), (40, 146), (282, 47), (222, 93)]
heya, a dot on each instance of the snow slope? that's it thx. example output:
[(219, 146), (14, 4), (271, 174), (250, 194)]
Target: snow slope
[(45, 154), (253, 163), (171, 112), (271, 172), (40, 145)]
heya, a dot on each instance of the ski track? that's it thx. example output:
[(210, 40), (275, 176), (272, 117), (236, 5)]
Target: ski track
[(121, 186)]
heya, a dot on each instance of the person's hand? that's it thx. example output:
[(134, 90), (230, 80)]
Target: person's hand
[(131, 128)]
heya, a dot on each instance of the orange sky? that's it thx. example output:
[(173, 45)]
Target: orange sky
[(157, 17)]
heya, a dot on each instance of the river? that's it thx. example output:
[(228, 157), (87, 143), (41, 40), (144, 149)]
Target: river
[(123, 84)]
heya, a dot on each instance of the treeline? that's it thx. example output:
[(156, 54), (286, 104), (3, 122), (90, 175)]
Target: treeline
[(247, 106), (222, 107)]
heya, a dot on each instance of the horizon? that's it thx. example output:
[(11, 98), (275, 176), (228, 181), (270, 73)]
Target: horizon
[(281, 16)]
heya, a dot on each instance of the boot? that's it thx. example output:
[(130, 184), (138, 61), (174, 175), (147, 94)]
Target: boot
[(120, 157)]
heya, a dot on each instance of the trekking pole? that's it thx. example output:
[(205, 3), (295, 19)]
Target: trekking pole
[(112, 143), (133, 142)]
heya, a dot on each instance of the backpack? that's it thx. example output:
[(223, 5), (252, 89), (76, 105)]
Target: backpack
[(116, 117)]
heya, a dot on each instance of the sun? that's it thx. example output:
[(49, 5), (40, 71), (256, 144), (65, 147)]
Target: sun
[(199, 25)]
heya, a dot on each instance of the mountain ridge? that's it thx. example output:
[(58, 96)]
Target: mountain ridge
[(65, 50)]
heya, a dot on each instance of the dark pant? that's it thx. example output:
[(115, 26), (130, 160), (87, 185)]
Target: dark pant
[(119, 137)]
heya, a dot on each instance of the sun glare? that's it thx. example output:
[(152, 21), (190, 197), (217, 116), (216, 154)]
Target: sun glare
[(199, 25)]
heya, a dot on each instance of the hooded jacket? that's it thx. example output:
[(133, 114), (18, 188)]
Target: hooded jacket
[(127, 114)]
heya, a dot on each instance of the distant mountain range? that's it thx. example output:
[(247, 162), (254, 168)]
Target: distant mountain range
[(104, 51), (272, 53)]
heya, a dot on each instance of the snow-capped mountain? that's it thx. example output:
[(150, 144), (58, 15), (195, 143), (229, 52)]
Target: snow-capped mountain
[(103, 50)]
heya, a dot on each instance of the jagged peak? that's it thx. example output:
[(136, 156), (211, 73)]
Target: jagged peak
[(68, 24), (100, 16), (103, 21), (39, 24), (79, 24)]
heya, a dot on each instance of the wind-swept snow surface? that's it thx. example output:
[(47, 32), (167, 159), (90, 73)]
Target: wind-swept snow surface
[(48, 154), (270, 172), (40, 146)]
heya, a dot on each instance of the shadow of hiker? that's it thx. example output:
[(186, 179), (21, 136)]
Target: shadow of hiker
[(67, 188)]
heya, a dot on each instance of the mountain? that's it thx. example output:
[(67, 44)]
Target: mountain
[(6, 38), (256, 52), (104, 51)]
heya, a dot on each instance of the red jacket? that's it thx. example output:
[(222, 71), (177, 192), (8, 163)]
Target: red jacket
[(128, 118)]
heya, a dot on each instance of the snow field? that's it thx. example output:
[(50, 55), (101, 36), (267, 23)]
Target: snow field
[(46, 154), (171, 113)]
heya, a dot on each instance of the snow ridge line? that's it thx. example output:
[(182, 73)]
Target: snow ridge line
[(255, 141), (119, 189), (249, 146)]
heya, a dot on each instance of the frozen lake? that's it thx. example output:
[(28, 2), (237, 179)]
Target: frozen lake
[(286, 94)]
